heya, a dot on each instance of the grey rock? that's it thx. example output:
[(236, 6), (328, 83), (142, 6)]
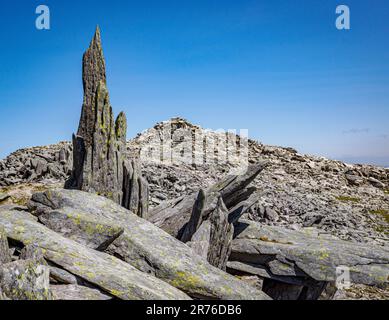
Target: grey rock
[(77, 293), (174, 215), (270, 214), (99, 160), (376, 183), (99, 164), (34, 253), (354, 180), (62, 158), (93, 74), (41, 168), (95, 154), (62, 276), (135, 189), (5, 255), (25, 280), (196, 217), (279, 290), (244, 207), (81, 227), (3, 197), (151, 250), (292, 253), (214, 237), (38, 164), (201, 240)]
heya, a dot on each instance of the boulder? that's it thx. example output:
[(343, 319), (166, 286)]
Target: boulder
[(354, 180), (376, 183)]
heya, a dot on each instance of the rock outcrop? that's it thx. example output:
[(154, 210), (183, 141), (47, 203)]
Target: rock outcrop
[(100, 269), (145, 246), (174, 216), (144, 262), (93, 77), (99, 163), (298, 191), (213, 238), (51, 163), (25, 280), (300, 265)]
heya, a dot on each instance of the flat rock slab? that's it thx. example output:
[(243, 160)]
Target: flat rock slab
[(82, 228), (150, 249), (3, 197), (62, 276), (107, 272), (77, 293), (5, 255), (213, 238), (295, 254)]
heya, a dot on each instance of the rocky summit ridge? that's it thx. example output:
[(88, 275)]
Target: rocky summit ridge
[(179, 212), (297, 191)]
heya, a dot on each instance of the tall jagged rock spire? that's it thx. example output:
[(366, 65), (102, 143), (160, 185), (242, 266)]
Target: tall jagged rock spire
[(93, 72), (99, 164)]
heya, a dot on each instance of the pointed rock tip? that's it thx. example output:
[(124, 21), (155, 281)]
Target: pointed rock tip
[(121, 125), (97, 32), (97, 37), (121, 120)]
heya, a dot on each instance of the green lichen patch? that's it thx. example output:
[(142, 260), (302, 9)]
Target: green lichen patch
[(381, 212), (186, 281), (348, 199)]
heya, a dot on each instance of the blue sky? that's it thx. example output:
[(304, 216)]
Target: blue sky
[(278, 68)]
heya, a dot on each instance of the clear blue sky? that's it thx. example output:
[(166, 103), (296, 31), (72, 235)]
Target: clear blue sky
[(278, 68)]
